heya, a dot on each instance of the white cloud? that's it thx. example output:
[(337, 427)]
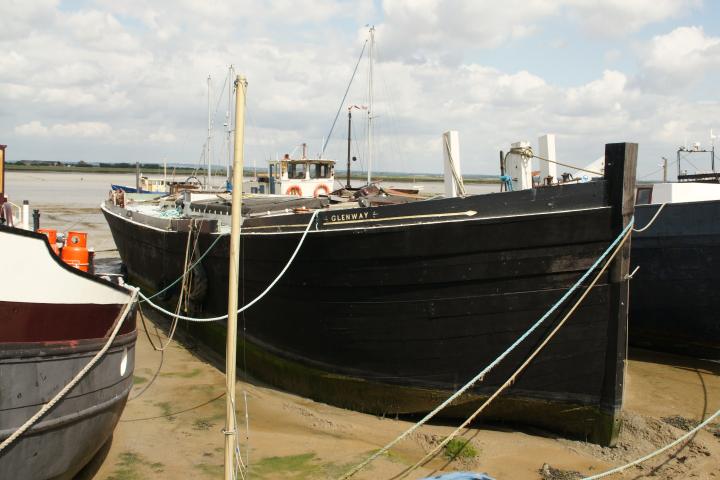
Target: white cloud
[(679, 59), (35, 128), (162, 136), (71, 73), (618, 17)]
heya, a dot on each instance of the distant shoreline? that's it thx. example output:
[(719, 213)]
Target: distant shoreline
[(248, 172)]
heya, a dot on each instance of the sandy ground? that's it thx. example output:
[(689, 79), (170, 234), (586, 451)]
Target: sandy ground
[(172, 425), (171, 428)]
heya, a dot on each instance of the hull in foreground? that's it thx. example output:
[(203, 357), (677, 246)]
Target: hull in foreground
[(54, 320)]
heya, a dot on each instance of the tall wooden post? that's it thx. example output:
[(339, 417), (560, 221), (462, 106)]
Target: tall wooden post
[(620, 166), (233, 281)]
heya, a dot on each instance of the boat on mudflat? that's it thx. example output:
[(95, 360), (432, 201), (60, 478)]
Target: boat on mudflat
[(390, 308), (54, 319), (674, 302)]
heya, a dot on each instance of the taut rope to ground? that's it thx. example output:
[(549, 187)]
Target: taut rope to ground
[(479, 377)]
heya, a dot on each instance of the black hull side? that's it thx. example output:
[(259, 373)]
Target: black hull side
[(62, 442), (674, 302), (422, 323), (388, 318)]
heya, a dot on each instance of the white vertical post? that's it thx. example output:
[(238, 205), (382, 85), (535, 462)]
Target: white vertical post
[(370, 105), (26, 215), (519, 166), (208, 152), (451, 162), (547, 150)]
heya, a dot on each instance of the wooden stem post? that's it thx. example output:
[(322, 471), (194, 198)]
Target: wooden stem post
[(234, 269)]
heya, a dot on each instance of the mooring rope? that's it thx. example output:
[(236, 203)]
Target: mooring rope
[(656, 452), (480, 376), (565, 164), (652, 220), (527, 151), (255, 300), (186, 272), (522, 367), (31, 421)]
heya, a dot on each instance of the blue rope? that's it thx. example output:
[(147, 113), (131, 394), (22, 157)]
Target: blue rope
[(145, 299), (495, 362), (507, 180)]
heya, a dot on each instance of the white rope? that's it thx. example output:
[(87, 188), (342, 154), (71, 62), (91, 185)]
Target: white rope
[(658, 451), (31, 421), (480, 376), (248, 305), (652, 220)]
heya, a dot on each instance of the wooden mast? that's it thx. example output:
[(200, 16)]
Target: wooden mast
[(347, 184), (234, 269)]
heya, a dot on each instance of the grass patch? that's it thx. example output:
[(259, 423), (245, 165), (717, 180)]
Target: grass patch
[(138, 380), (459, 448), (166, 408), (295, 467), (202, 424), (304, 466), (192, 373), (214, 471), (130, 466)]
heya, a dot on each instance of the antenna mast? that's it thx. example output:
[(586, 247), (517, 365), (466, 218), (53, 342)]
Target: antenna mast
[(208, 151), (370, 102), (228, 125)]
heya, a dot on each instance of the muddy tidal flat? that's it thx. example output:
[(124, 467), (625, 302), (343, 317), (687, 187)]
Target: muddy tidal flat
[(172, 425)]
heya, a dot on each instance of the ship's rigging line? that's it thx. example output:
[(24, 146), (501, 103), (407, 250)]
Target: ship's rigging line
[(186, 272), (480, 376), (251, 303), (342, 102)]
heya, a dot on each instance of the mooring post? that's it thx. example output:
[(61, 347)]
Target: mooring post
[(25, 215), (36, 220), (137, 177), (620, 166)]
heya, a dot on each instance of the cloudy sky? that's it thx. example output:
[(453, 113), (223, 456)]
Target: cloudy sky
[(110, 81)]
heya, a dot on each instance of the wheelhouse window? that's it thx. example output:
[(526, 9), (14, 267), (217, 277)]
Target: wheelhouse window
[(643, 196), (319, 170), (296, 170)]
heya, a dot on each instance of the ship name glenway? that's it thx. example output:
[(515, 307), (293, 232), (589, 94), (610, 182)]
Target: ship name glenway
[(349, 216)]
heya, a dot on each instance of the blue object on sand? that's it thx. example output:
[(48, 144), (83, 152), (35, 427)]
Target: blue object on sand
[(460, 476)]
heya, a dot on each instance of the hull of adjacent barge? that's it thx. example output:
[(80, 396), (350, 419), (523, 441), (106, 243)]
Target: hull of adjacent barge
[(389, 320), (674, 299), (62, 442), (53, 320)]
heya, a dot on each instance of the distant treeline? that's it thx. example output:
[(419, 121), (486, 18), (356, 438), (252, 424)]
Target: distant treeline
[(82, 163), (156, 168)]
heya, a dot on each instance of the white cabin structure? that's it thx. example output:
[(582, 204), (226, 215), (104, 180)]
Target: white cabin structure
[(301, 177)]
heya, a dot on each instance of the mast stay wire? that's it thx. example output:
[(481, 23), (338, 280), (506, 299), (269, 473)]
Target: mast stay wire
[(392, 116), (342, 102)]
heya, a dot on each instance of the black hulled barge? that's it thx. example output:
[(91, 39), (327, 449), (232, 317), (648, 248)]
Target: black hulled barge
[(388, 309)]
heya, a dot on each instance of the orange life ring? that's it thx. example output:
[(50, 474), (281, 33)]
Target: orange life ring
[(321, 188), (294, 190)]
